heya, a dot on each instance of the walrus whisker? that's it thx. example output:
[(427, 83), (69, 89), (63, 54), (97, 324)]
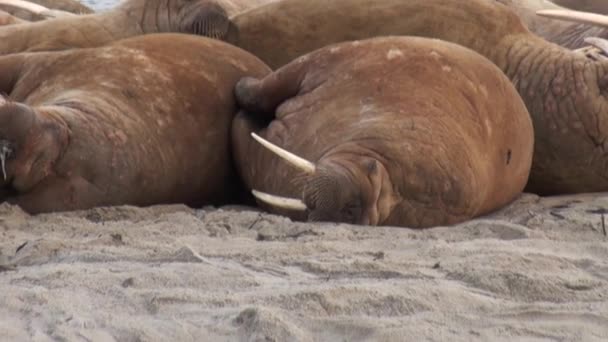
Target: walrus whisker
[(5, 152), (298, 162), (280, 202), (575, 16)]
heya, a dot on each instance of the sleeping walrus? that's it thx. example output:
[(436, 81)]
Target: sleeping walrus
[(140, 121), (387, 131), (131, 18)]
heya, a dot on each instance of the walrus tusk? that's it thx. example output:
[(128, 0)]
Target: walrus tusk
[(575, 16), (291, 158), (280, 202), (35, 8), (5, 152)]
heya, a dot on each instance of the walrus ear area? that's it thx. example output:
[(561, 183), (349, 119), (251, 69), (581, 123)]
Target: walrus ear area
[(212, 21)]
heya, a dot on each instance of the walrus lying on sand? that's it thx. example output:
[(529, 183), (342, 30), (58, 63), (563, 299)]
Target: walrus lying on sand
[(131, 18), (141, 121), (564, 91), (397, 131)]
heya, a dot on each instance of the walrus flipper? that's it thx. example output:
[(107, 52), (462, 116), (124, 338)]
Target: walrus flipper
[(262, 97)]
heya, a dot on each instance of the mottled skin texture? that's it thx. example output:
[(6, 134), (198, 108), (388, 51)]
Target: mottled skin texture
[(564, 33), (7, 19), (564, 91), (595, 6), (131, 18), (404, 131), (142, 121)]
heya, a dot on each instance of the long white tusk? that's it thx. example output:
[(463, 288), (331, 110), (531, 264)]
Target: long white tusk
[(35, 8), (575, 16), (291, 158), (280, 202)]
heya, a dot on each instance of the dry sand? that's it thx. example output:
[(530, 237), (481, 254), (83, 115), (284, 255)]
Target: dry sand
[(535, 271)]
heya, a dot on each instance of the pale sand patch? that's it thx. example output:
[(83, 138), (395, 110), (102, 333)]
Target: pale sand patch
[(535, 271)]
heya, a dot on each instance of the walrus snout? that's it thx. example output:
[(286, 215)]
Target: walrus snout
[(210, 20), (30, 142)]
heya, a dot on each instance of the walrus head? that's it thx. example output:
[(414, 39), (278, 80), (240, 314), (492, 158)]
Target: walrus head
[(29, 145), (335, 193)]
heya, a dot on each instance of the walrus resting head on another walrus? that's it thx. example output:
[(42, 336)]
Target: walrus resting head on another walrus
[(564, 91), (131, 18), (141, 121), (397, 131)]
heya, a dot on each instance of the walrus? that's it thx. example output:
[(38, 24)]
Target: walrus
[(399, 131), (141, 121), (131, 18), (564, 91), (8, 19)]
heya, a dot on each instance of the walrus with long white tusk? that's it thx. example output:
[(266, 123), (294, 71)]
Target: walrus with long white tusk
[(397, 131)]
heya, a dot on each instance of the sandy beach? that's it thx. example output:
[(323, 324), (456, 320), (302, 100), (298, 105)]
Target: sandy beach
[(535, 271)]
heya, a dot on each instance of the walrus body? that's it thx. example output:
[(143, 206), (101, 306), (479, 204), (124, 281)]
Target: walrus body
[(398, 131), (564, 91), (131, 18), (141, 121)]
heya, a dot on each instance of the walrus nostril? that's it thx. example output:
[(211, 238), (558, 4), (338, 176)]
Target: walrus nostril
[(6, 151)]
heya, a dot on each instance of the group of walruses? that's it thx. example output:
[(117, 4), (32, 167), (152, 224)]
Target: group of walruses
[(413, 113)]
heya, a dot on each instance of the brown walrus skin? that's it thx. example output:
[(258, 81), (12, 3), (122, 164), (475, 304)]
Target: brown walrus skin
[(401, 131), (141, 121), (564, 91), (131, 18)]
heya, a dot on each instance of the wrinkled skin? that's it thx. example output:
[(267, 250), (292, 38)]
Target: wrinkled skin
[(131, 18), (141, 121), (7, 19), (595, 6), (564, 91), (564, 33), (403, 131)]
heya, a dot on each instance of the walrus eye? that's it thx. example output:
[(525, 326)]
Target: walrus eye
[(6, 151)]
